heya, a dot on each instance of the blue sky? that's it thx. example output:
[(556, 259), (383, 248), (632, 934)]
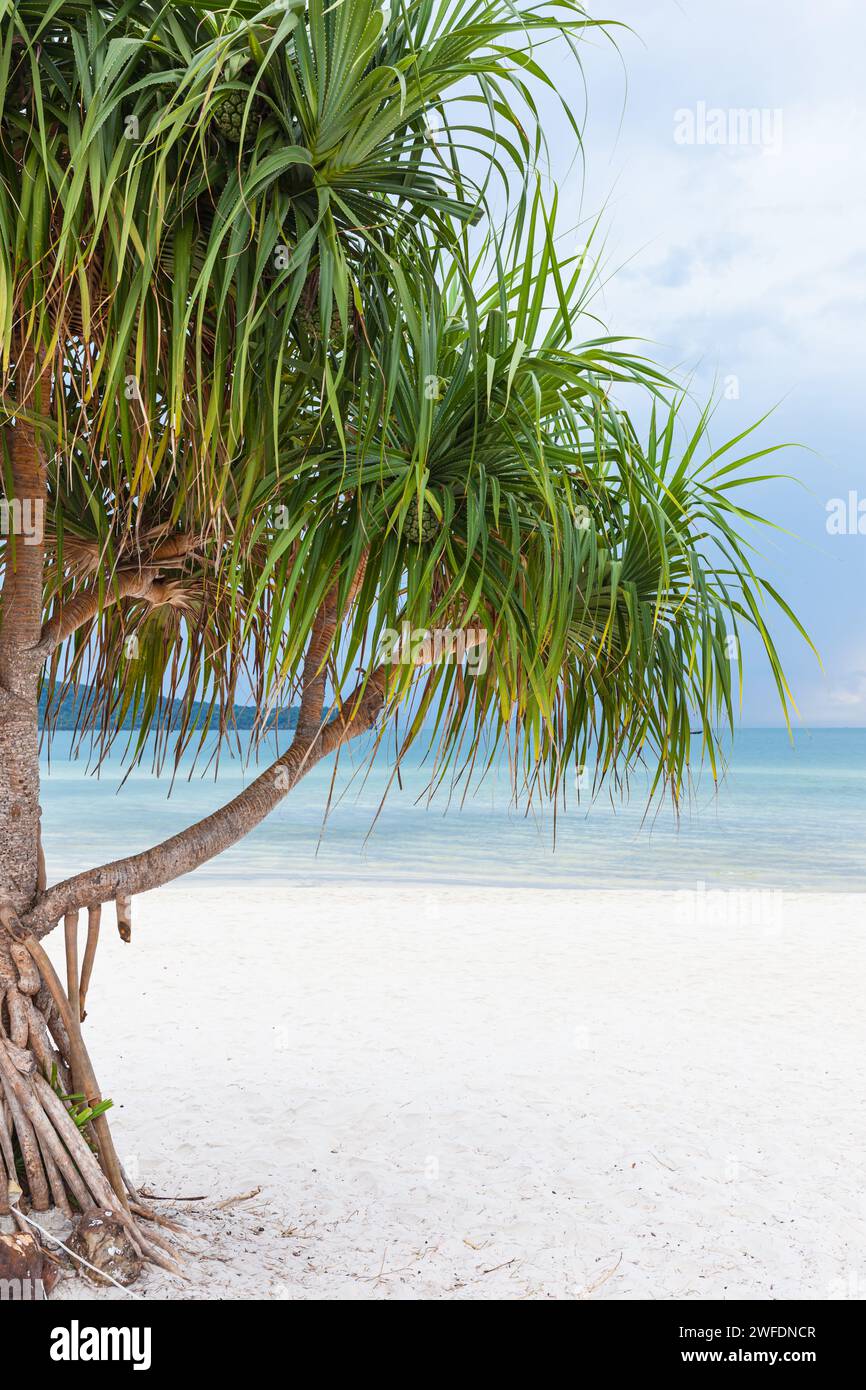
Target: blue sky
[(747, 267)]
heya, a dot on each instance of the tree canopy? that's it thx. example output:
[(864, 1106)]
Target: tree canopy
[(313, 338)]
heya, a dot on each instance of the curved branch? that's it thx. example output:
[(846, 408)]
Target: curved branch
[(194, 846), (312, 715), (83, 607), (313, 685), (174, 551), (182, 853)]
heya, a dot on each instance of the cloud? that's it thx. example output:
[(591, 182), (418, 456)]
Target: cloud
[(740, 262), (747, 260), (840, 701)]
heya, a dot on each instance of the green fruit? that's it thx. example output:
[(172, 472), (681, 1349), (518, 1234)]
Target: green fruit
[(424, 530), (308, 317), (229, 115)]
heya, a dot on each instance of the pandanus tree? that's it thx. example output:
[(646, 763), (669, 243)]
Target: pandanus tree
[(292, 363)]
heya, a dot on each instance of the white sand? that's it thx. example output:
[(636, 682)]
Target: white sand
[(491, 1094)]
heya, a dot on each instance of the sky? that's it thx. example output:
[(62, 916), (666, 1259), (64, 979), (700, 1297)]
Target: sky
[(740, 252)]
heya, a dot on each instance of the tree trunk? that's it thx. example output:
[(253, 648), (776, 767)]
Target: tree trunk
[(20, 620), (46, 1158), (20, 629)]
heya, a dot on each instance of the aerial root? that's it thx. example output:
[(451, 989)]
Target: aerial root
[(94, 917), (68, 1164)]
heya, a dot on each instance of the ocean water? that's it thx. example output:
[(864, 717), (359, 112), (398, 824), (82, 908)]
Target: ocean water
[(785, 817)]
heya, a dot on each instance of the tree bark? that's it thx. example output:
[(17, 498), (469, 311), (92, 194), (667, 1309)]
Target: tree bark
[(20, 630), (312, 713), (85, 605)]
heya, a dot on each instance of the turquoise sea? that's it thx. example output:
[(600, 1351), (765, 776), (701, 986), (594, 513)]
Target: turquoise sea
[(786, 817)]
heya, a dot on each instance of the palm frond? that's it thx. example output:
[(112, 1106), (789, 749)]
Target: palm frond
[(257, 244)]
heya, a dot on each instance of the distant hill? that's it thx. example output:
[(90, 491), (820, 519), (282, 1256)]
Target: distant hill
[(70, 706)]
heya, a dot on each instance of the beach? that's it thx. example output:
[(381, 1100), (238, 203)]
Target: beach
[(432, 710), (463, 1092)]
